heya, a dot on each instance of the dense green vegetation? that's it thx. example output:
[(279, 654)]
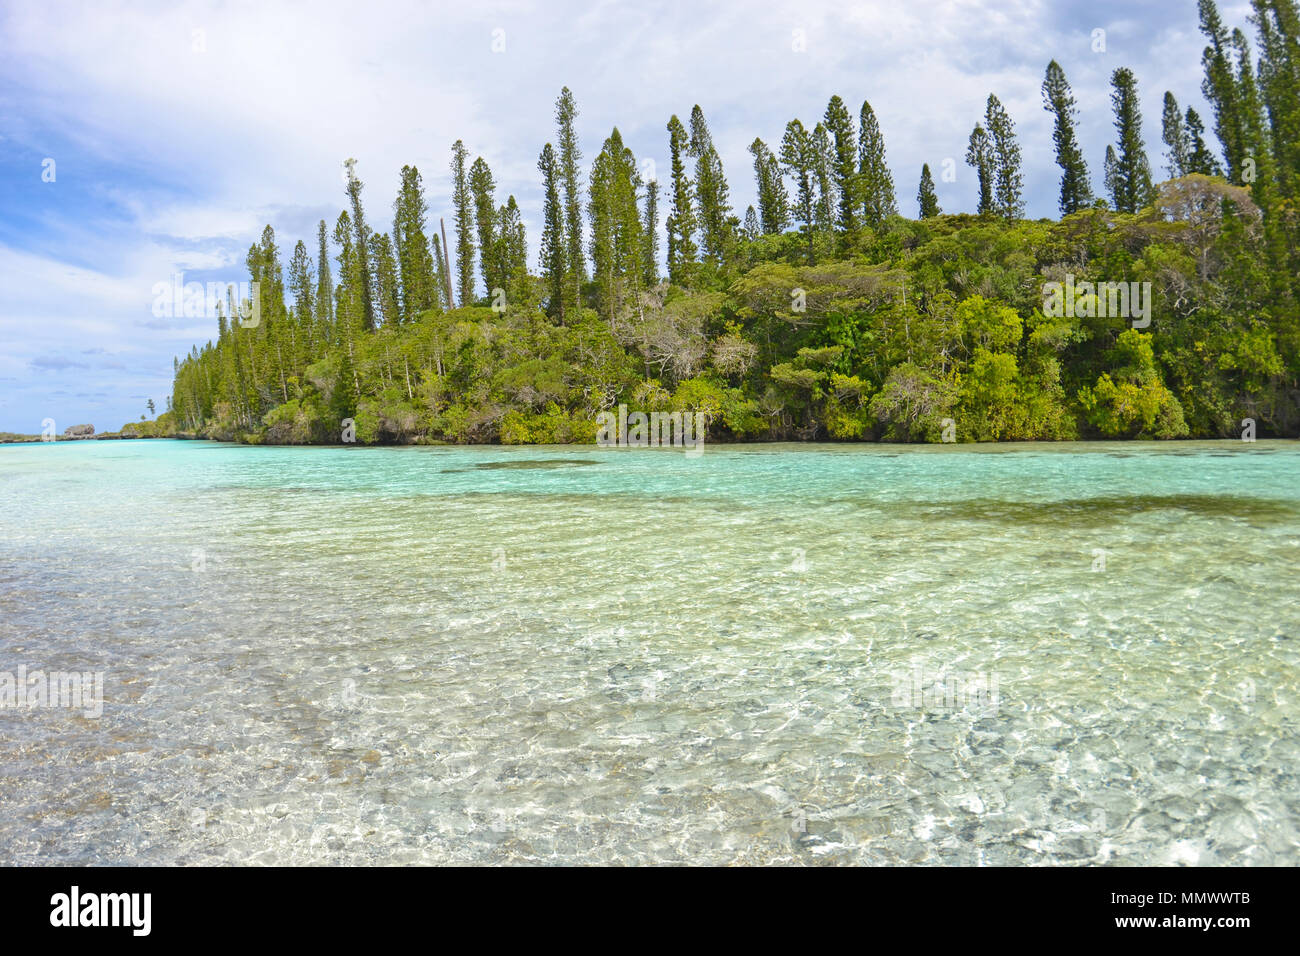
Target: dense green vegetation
[(820, 314)]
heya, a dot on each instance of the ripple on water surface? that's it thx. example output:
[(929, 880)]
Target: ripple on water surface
[(874, 654)]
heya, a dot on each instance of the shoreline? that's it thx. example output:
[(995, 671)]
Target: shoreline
[(1171, 442)]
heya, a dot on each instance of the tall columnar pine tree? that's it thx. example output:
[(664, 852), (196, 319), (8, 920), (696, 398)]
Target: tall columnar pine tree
[(1173, 131), (302, 283), (463, 202), (553, 248), (926, 198), (1278, 24), (710, 190), (395, 242), (511, 253), (324, 286), (482, 188), (1058, 99), (568, 160), (681, 222), (773, 201), (799, 160), (349, 321), (1229, 85), (415, 262), (650, 233), (1258, 142), (272, 343), (839, 124), (617, 256), (875, 182), (1129, 175), (1008, 180), (362, 244), (1110, 171), (1200, 158), (1258, 169), (254, 339), (442, 274), (752, 228), (979, 156), (387, 291), (827, 197), (347, 306), (1220, 88)]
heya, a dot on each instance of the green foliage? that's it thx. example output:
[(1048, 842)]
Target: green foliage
[(1008, 181), (681, 222), (926, 199), (875, 185), (979, 156), (1058, 100), (1133, 403), (717, 226), (463, 200), (829, 317), (1128, 174)]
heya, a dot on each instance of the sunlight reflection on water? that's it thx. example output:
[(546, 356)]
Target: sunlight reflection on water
[(342, 655)]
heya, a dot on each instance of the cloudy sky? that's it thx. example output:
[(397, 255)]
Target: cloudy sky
[(176, 131)]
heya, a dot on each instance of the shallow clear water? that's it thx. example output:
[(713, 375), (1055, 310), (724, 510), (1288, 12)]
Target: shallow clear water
[(337, 655)]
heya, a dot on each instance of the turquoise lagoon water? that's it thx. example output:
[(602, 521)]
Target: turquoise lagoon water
[(1060, 654)]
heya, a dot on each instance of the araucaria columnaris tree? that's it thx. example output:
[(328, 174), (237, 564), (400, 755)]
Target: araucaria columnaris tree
[(875, 184), (650, 233), (1278, 24), (1221, 89), (1110, 171), (414, 260), (979, 156), (926, 198), (617, 258), (799, 161), (349, 319), (773, 201), (681, 216), (463, 202), (575, 266), (324, 285), (387, 292), (363, 243), (1174, 132), (1129, 178), (824, 163), (553, 245), (1058, 100), (1200, 159), (441, 272), (1008, 181), (301, 286), (710, 190), (483, 188), (844, 138), (511, 257)]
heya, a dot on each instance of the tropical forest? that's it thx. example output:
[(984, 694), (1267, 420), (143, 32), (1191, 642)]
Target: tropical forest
[(845, 304)]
